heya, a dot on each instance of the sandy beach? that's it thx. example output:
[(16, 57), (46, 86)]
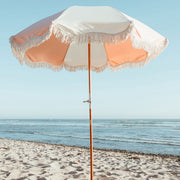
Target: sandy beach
[(31, 160)]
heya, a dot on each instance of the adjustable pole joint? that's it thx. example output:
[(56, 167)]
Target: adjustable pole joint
[(87, 101)]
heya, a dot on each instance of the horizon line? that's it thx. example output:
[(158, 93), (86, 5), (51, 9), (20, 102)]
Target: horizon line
[(88, 118)]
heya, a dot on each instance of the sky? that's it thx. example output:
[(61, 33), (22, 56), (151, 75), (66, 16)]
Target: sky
[(152, 91)]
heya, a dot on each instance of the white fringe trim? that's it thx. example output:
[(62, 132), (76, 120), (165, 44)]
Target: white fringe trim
[(19, 50), (153, 48), (85, 67), (42, 65), (65, 36)]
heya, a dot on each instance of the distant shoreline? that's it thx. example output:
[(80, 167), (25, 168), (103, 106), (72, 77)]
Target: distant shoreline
[(101, 149)]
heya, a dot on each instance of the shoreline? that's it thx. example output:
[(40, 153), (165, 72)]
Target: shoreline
[(101, 149), (35, 160)]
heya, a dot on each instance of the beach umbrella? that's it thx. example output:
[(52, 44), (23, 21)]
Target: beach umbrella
[(87, 38)]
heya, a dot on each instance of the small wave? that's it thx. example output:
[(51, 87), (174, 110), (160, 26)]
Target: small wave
[(46, 134), (134, 140), (19, 131), (58, 135), (43, 124), (97, 123), (140, 141), (143, 139), (111, 138)]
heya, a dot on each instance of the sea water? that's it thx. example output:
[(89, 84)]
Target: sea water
[(157, 136)]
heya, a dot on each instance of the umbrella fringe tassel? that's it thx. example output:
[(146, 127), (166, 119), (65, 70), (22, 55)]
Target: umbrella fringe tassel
[(152, 48)]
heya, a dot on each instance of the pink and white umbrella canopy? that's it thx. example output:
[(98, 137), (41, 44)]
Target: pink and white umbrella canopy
[(93, 38), (61, 40)]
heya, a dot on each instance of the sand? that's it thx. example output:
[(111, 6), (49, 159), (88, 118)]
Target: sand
[(38, 161)]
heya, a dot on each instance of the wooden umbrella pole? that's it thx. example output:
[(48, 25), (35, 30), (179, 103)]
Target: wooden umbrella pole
[(90, 112)]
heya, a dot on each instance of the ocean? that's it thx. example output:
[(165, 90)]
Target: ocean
[(157, 136)]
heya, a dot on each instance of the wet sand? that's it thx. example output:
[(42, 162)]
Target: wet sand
[(39, 161)]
